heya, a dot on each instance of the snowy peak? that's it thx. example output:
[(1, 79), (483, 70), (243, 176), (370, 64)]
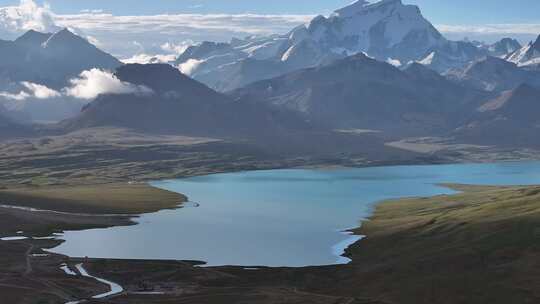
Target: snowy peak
[(64, 37), (387, 30), (384, 29), (504, 47), (362, 6), (352, 9), (528, 55)]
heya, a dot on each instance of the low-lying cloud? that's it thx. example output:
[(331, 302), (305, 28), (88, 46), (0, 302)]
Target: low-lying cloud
[(89, 85), (36, 102), (172, 33), (30, 90), (95, 82), (189, 66), (40, 91), (143, 58)]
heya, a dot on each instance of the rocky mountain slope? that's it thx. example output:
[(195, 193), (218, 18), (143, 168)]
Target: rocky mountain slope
[(511, 120), (361, 93), (495, 75), (175, 103), (528, 55)]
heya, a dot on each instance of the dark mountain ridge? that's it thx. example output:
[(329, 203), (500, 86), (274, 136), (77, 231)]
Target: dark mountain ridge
[(495, 75), (361, 93), (180, 105), (511, 119)]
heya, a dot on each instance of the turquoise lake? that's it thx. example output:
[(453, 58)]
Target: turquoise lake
[(279, 217)]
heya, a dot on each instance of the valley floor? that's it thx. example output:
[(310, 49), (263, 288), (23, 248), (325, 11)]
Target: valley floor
[(479, 246), (476, 247)]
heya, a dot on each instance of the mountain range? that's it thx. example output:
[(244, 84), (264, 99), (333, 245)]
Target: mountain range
[(362, 93), (378, 70), (503, 47), (180, 105), (387, 31)]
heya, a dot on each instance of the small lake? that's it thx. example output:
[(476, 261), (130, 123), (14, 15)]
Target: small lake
[(278, 217)]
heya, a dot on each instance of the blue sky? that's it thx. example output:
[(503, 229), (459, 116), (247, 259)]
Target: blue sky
[(438, 11)]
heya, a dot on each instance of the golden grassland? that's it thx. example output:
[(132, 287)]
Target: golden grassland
[(478, 246), (97, 199)]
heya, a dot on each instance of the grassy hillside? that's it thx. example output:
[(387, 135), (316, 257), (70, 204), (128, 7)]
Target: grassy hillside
[(480, 246)]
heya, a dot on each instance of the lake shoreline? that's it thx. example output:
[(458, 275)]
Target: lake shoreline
[(384, 235), (396, 231), (117, 220)]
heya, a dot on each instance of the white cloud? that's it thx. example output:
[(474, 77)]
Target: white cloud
[(156, 34), (40, 91), (92, 11), (87, 86), (533, 29), (95, 82), (178, 48), (26, 16), (93, 40), (172, 50), (37, 102), (22, 95), (189, 66), (31, 90), (147, 58), (491, 32), (256, 24)]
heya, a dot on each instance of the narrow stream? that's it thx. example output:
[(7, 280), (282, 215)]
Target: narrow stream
[(114, 288)]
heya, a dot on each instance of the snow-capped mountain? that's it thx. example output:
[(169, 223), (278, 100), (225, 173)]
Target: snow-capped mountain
[(387, 30), (527, 55), (503, 47), (451, 55), (51, 59)]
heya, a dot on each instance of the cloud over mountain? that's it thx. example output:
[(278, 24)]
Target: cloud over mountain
[(36, 102), (26, 16), (95, 82)]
